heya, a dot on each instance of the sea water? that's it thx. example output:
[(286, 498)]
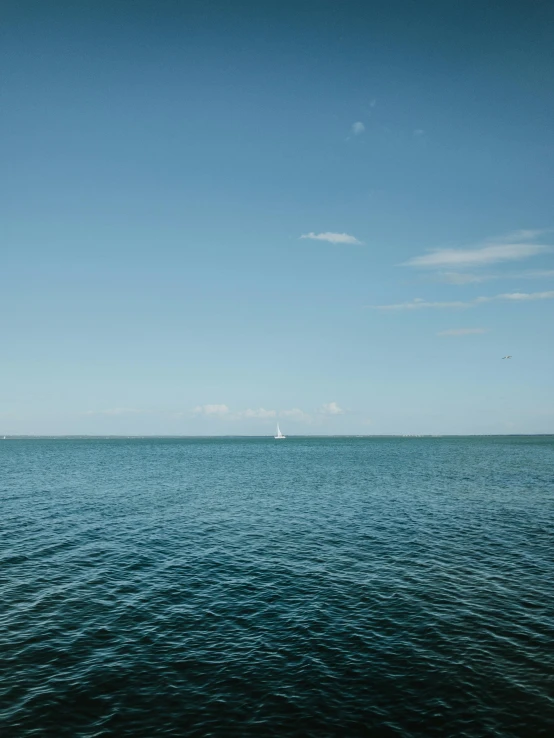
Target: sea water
[(248, 587)]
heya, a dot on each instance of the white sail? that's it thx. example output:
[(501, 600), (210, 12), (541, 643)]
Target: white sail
[(279, 434)]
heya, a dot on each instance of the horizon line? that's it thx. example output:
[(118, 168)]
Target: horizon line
[(31, 436)]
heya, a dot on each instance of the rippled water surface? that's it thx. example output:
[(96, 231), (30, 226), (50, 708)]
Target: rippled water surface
[(310, 587)]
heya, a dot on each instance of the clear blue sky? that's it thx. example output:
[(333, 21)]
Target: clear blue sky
[(161, 162)]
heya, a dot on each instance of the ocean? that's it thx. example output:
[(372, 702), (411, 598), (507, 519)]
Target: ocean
[(247, 587)]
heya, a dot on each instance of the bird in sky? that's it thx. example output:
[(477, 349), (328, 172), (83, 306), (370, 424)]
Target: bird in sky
[(506, 357)]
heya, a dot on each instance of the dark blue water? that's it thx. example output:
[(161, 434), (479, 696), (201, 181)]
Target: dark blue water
[(310, 587)]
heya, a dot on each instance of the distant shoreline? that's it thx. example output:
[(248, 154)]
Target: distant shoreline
[(23, 437)]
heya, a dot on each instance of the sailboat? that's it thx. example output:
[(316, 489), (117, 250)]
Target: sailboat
[(279, 434)]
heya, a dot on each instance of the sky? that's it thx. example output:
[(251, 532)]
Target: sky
[(215, 216)]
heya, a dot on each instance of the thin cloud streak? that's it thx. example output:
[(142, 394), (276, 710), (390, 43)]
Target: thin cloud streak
[(358, 127), (484, 256), (211, 410), (114, 411), (224, 413), (461, 331), (469, 278), (422, 305), (525, 296), (526, 234), (535, 274), (332, 237), (419, 304), (463, 278), (260, 413)]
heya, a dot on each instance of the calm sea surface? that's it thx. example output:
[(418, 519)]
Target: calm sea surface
[(247, 587)]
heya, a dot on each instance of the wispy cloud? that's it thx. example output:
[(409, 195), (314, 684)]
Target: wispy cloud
[(258, 413), (332, 237), (463, 277), (114, 411), (357, 128), (211, 410), (461, 331), (534, 274), (419, 132), (419, 304), (492, 254), (331, 408), (526, 234), (471, 278), (223, 412), (296, 414), (522, 296), (508, 247)]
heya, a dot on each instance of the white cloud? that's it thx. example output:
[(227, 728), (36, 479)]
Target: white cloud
[(259, 413), (357, 128), (211, 410), (461, 331), (464, 278), (483, 256), (535, 274), (331, 408), (469, 278), (332, 237), (114, 411), (223, 412), (519, 296), (296, 415), (419, 304), (526, 234)]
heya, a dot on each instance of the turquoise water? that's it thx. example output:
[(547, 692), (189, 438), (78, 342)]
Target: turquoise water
[(243, 587)]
